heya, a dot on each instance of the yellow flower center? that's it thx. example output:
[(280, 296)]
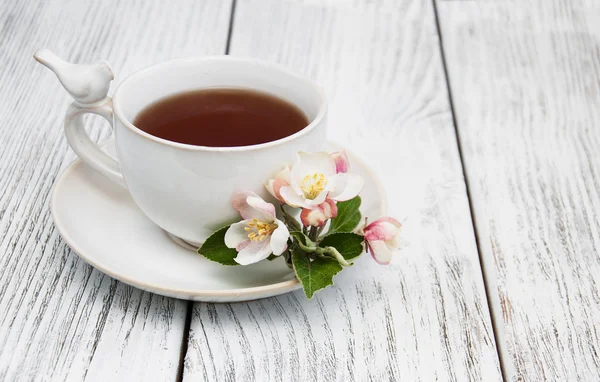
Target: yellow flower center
[(258, 230), (313, 185)]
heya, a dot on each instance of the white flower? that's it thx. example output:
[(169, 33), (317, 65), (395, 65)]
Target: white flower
[(259, 234), (383, 238), (314, 178)]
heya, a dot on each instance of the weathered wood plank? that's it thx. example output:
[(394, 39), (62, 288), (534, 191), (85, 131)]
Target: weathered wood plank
[(524, 78), (59, 318), (425, 317)]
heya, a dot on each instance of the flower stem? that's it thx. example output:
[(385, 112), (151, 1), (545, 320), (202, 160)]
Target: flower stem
[(313, 233), (327, 251), (336, 255), (306, 248), (288, 258), (292, 223), (319, 231)]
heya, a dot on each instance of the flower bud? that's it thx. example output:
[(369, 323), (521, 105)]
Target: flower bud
[(341, 161), (318, 216), (383, 238)]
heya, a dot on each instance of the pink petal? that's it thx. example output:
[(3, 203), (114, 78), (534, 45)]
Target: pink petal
[(333, 208), (277, 184), (314, 217), (318, 215), (381, 230), (341, 161), (281, 179)]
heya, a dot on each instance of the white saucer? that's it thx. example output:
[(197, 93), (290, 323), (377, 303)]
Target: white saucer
[(101, 223)]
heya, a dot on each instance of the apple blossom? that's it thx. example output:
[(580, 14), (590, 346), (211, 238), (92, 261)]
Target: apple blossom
[(318, 216), (259, 234), (314, 177), (383, 238)]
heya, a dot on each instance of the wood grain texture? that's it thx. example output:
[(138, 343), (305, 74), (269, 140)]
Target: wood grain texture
[(423, 318), (525, 84), (60, 318)]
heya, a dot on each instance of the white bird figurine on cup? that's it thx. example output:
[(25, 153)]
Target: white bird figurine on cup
[(87, 84)]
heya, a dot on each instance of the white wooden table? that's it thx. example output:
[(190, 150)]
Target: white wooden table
[(482, 119)]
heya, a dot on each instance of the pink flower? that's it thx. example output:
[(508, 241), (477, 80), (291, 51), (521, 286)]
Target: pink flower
[(274, 185), (383, 238), (259, 234), (341, 161), (314, 178), (320, 214)]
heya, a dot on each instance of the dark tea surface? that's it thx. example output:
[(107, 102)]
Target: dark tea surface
[(221, 117)]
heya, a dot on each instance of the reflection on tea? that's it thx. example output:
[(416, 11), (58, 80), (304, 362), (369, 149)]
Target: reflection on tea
[(221, 117)]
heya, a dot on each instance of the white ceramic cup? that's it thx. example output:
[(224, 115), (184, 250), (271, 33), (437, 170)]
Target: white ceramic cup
[(185, 189)]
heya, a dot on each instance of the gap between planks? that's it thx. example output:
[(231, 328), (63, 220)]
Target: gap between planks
[(488, 296)]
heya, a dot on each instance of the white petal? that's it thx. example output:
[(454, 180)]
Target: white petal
[(279, 238), (380, 252), (236, 234), (321, 197), (284, 174), (266, 210), (292, 198), (269, 187), (389, 228), (239, 202), (254, 252), (395, 242), (344, 187), (389, 220), (316, 201), (309, 164)]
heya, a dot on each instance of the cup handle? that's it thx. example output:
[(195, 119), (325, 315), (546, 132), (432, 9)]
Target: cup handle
[(84, 147), (88, 85)]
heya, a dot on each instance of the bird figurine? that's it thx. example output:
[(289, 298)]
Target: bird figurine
[(87, 84)]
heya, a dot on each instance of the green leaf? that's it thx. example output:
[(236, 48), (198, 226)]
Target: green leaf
[(302, 238), (348, 245), (348, 216), (314, 274), (214, 249)]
